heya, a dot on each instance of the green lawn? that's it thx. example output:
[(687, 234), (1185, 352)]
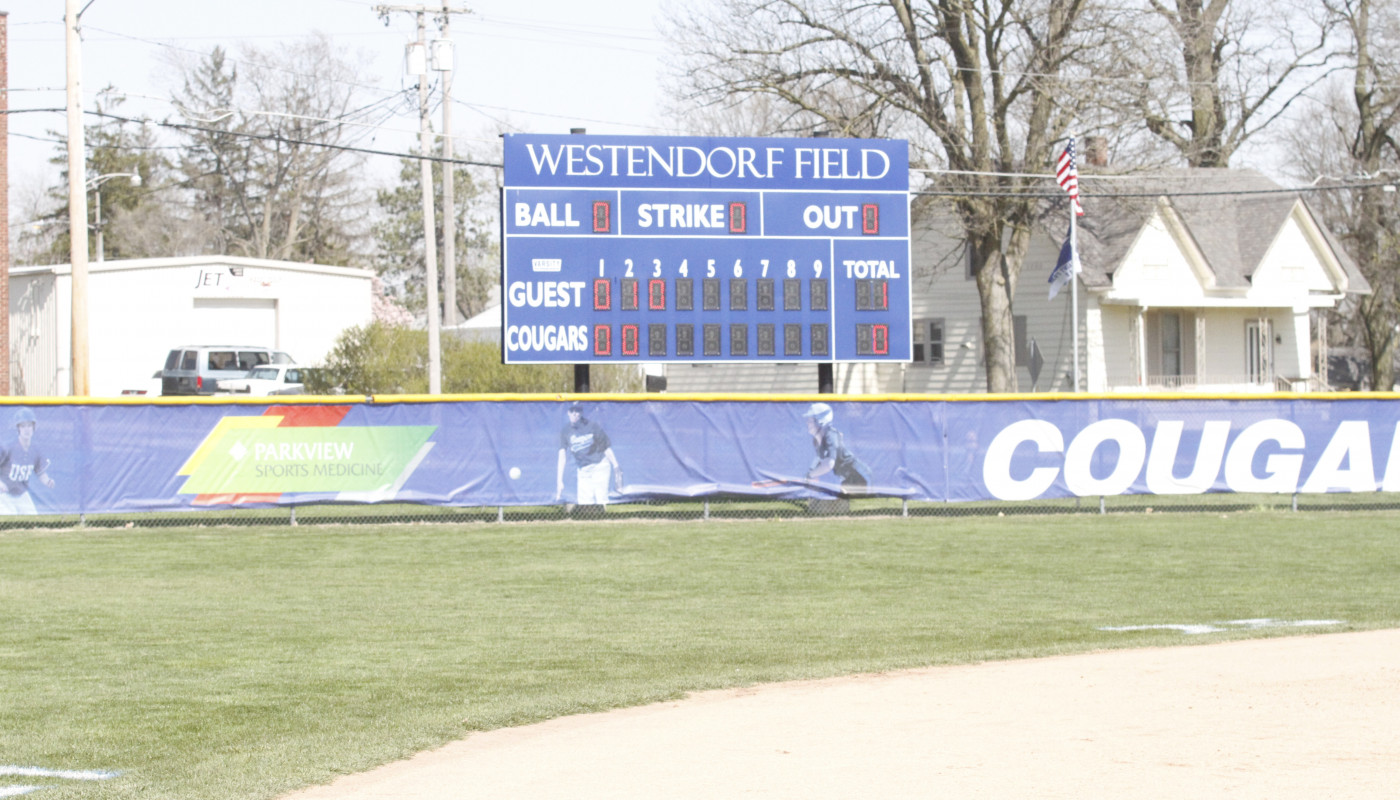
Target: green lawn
[(243, 662)]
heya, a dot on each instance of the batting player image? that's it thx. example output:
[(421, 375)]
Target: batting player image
[(20, 460), (593, 455), (832, 453)]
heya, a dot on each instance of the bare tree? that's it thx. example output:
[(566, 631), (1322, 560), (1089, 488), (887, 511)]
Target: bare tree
[(261, 155), (1353, 143), (1206, 75), (974, 84)]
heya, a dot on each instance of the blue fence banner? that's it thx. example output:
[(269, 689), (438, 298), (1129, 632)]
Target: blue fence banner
[(62, 458)]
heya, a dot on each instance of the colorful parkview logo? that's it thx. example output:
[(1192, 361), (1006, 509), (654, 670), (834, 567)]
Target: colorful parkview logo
[(302, 449)]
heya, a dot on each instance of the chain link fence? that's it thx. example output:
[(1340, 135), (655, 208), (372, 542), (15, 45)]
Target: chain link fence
[(719, 508)]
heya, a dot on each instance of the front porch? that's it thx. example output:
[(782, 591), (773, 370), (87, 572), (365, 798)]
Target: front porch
[(1206, 350)]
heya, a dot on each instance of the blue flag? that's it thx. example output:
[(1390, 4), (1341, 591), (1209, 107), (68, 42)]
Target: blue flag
[(1067, 267)]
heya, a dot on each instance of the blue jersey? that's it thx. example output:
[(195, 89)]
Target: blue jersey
[(18, 464), (586, 440), (831, 444)]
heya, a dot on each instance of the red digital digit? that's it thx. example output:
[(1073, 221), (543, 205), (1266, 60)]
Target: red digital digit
[(602, 340), (738, 217), (630, 344), (602, 294), (656, 290), (602, 216), (882, 340), (870, 219)]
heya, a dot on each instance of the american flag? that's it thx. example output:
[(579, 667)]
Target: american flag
[(1067, 175)]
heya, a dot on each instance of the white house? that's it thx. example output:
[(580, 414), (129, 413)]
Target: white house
[(1193, 280), (139, 309)]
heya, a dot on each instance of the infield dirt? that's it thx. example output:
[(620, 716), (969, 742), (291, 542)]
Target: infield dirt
[(1297, 717)]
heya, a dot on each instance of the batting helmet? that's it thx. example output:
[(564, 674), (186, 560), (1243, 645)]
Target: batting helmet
[(21, 416), (821, 412)]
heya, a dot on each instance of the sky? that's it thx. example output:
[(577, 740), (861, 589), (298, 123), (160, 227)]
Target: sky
[(542, 66)]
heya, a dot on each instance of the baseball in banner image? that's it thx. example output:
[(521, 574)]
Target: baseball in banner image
[(20, 462), (595, 464), (832, 453)]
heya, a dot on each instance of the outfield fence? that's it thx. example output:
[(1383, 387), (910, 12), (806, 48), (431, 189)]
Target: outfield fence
[(499, 458), (718, 510)]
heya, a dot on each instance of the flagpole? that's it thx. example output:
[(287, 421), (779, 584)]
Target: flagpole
[(1074, 289), (1067, 176)]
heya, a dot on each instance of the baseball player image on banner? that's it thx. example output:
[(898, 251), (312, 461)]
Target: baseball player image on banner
[(592, 453), (20, 460), (832, 453)]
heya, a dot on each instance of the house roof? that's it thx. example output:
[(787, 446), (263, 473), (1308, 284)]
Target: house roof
[(1232, 216)]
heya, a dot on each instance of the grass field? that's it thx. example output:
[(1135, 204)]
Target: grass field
[(242, 662)]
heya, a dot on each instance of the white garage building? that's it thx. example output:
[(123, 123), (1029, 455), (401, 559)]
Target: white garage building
[(139, 309)]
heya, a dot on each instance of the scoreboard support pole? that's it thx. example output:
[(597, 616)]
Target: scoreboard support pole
[(580, 370), (826, 383)]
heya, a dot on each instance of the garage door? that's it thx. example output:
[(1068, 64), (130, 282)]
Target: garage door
[(234, 321)]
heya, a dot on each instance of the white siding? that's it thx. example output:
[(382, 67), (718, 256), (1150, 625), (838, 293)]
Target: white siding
[(1156, 267), (755, 378), (1118, 346), (35, 364)]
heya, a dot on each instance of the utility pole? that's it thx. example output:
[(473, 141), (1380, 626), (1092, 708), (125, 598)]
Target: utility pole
[(419, 64), (77, 202), (425, 138), (442, 62)]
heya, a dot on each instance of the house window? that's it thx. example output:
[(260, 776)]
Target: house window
[(928, 342)]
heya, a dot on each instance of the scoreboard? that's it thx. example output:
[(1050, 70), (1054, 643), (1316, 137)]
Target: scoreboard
[(696, 249)]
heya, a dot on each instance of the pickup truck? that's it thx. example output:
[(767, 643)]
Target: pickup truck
[(269, 379)]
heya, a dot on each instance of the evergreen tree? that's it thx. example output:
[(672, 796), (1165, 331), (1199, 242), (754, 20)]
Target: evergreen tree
[(399, 236)]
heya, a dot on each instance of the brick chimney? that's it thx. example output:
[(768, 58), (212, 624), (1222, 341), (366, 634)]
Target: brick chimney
[(1096, 151)]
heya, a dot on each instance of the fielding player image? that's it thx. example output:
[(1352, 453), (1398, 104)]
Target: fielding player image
[(20, 460), (593, 455), (832, 453)]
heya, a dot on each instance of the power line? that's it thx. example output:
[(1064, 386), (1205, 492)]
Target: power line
[(272, 137), (1340, 183), (1050, 195)]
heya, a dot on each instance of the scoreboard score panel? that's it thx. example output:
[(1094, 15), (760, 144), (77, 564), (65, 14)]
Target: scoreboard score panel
[(620, 249)]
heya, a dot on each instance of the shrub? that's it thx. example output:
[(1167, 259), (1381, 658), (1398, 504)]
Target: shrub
[(386, 359)]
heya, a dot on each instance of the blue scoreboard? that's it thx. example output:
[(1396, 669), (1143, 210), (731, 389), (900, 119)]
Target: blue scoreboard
[(695, 249)]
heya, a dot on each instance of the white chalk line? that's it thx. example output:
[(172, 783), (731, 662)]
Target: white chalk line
[(1234, 624), (16, 791), (11, 771)]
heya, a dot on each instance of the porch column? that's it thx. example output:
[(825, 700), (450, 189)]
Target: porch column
[(1197, 368), (1137, 345), (1302, 339), (1321, 370)]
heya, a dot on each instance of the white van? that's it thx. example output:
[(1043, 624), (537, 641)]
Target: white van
[(197, 369)]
